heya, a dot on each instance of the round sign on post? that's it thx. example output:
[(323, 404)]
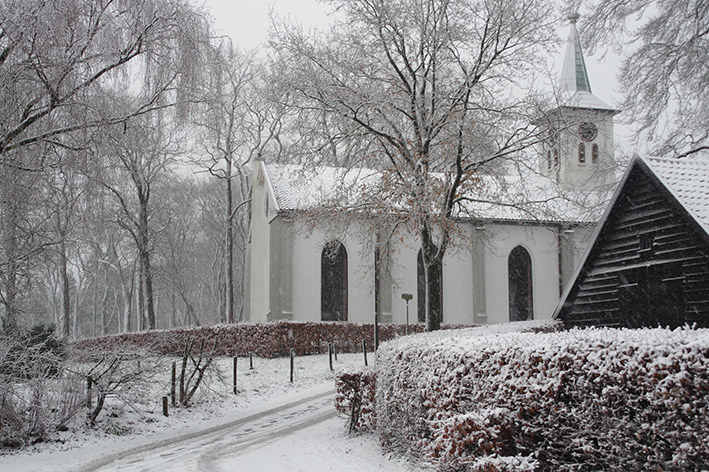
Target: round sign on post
[(407, 297)]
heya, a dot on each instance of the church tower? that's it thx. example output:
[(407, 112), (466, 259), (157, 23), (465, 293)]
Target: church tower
[(578, 149)]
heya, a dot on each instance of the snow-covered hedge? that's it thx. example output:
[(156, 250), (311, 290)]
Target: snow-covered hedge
[(274, 339), (596, 399)]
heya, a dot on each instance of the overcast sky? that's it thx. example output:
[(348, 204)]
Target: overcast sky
[(247, 22)]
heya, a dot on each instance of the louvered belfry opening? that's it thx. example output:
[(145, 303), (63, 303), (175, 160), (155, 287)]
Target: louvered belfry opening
[(334, 282), (519, 269)]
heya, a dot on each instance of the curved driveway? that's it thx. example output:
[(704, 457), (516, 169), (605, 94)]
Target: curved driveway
[(202, 450)]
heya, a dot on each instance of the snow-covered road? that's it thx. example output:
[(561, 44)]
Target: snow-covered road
[(204, 450), (272, 425)]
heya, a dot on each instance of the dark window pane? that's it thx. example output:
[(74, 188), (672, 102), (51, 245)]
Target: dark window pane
[(519, 267), (333, 294)]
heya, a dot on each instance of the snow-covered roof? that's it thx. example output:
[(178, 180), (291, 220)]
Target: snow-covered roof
[(688, 181), (514, 198), (586, 100)]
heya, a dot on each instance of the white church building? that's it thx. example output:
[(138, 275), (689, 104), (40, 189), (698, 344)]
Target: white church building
[(512, 264)]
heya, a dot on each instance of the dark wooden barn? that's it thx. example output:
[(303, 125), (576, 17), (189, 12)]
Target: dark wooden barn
[(648, 261)]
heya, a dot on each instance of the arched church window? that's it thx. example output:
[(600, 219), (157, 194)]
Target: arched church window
[(333, 286), (421, 288), (594, 153), (519, 270), (582, 153)]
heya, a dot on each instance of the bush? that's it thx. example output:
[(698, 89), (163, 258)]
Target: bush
[(355, 397), (274, 339), (37, 393), (27, 352), (597, 399)]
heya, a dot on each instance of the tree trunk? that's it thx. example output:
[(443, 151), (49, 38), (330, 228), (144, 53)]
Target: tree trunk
[(66, 299), (140, 301), (229, 247), (433, 265), (127, 302), (146, 272), (10, 321), (75, 315), (8, 230)]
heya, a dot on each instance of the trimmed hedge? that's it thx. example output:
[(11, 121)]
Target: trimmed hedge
[(581, 400), (274, 339)]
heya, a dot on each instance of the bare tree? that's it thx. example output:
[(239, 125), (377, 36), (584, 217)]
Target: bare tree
[(57, 59), (23, 235), (425, 87), (664, 72), (61, 64), (236, 124), (140, 155)]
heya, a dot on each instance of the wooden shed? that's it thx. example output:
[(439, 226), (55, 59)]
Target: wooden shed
[(648, 260)]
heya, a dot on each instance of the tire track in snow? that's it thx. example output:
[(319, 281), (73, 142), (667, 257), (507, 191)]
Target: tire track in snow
[(207, 437), (208, 462)]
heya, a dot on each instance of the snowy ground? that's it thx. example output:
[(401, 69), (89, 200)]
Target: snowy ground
[(254, 430)]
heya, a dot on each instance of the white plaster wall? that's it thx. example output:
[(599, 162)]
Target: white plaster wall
[(541, 243), (307, 254), (260, 247), (457, 281)]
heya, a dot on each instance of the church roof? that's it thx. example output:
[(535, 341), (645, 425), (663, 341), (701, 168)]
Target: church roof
[(510, 198), (574, 81)]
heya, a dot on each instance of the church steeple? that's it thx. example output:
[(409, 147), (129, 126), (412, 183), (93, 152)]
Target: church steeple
[(574, 77), (578, 152)]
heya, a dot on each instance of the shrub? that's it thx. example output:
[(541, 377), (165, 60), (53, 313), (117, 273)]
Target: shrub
[(596, 399), (27, 352), (273, 339), (355, 397), (38, 395)]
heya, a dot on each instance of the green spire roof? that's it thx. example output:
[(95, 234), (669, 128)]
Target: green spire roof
[(574, 77)]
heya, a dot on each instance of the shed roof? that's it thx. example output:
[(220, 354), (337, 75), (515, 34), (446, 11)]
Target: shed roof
[(688, 182)]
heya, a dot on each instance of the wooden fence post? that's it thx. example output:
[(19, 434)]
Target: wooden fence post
[(364, 350), (251, 360), (173, 383), (164, 405), (329, 354), (235, 362), (89, 386), (292, 364)]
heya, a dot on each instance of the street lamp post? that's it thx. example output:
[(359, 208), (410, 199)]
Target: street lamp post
[(407, 297)]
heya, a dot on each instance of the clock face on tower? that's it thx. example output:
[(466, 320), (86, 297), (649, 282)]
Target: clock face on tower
[(588, 131)]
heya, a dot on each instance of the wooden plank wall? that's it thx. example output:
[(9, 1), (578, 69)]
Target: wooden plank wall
[(642, 209)]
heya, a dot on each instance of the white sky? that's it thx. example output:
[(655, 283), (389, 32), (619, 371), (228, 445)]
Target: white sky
[(247, 22)]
